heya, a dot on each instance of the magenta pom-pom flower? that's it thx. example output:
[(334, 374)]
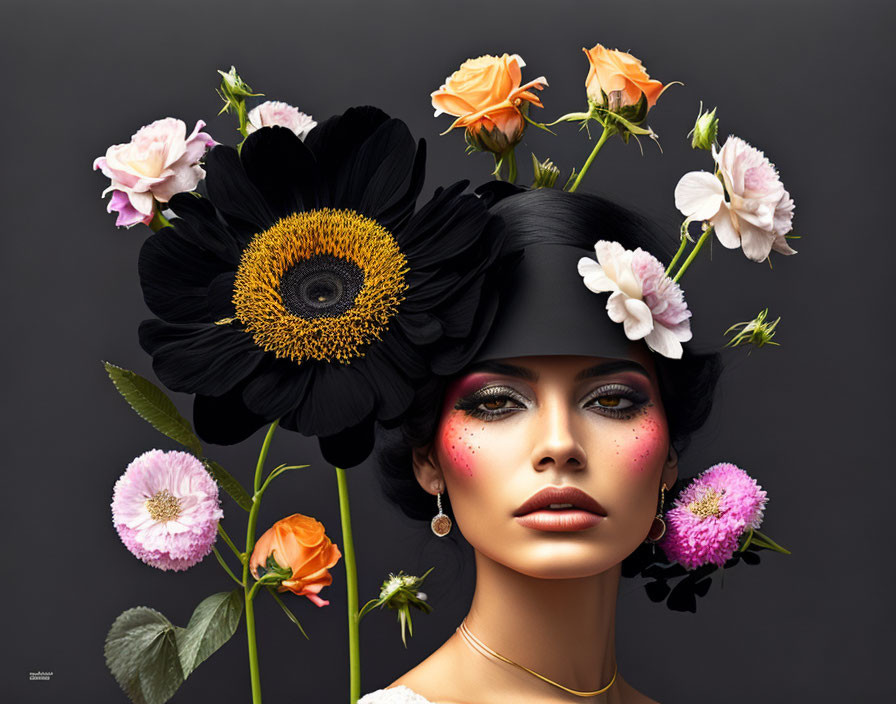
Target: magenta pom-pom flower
[(710, 516), (165, 508)]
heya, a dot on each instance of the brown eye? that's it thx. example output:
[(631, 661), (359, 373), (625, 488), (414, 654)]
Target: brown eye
[(609, 401), (494, 404)]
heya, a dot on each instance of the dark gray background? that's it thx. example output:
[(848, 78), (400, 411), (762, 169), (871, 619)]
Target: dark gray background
[(809, 83)]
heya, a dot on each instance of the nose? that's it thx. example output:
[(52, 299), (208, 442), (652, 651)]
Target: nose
[(556, 439)]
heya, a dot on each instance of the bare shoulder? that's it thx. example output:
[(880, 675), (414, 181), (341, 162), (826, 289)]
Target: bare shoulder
[(435, 678)]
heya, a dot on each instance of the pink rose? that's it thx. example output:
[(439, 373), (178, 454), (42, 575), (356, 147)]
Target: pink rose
[(158, 162), (274, 113), (758, 212)]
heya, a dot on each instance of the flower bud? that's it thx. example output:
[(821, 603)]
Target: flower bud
[(545, 173), (499, 134), (756, 332), (400, 592), (233, 87), (706, 128)]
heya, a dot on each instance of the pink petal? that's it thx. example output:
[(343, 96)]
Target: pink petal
[(724, 228), (699, 195), (639, 321), (663, 341), (317, 600), (594, 277), (757, 243), (128, 215)]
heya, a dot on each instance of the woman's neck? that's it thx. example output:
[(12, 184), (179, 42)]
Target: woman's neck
[(563, 629)]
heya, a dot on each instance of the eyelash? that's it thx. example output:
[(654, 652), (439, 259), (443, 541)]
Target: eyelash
[(470, 404)]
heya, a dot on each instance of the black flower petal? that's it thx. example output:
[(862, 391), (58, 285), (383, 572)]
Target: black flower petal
[(305, 288), (199, 359), (225, 420)]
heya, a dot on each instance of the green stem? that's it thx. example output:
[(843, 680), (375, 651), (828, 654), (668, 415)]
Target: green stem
[(274, 474), (226, 539), (158, 220), (250, 591), (697, 247), (351, 582), (224, 565), (243, 116), (511, 169), (499, 163), (681, 247), (600, 142)]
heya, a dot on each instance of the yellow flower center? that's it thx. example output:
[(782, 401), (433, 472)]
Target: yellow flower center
[(163, 506), (320, 285), (707, 505)]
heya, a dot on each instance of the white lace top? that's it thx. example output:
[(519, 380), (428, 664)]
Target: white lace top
[(395, 695)]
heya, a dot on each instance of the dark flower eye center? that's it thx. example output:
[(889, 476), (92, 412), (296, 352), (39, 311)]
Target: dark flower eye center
[(321, 285)]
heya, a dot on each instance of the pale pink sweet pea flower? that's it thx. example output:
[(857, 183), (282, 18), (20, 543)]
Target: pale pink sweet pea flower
[(648, 303), (274, 113), (158, 162), (759, 211)]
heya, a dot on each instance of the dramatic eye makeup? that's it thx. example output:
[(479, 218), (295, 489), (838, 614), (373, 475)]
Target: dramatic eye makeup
[(616, 400), (491, 402)]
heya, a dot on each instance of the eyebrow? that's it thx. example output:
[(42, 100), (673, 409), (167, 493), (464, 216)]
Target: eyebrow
[(529, 375)]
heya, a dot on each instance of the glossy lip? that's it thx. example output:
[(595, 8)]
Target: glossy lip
[(561, 495), (559, 520)]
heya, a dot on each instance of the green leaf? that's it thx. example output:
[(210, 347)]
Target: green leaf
[(153, 406), (227, 482), (212, 624), (286, 610), (141, 653)]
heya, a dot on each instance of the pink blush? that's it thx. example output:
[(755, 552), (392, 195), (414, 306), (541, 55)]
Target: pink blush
[(455, 439), (648, 437)]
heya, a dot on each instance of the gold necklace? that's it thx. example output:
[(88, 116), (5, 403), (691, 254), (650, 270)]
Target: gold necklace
[(482, 649)]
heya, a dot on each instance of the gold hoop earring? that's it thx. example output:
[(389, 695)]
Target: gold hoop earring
[(658, 527), (441, 524)]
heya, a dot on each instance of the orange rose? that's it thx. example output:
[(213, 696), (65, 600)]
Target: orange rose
[(298, 543), (617, 79), (486, 97)]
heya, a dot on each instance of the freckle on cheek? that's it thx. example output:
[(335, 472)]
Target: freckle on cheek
[(647, 436), (458, 442)]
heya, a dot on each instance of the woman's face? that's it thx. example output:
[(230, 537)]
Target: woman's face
[(512, 427)]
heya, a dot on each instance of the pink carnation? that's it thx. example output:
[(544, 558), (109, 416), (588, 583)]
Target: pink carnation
[(274, 113), (758, 212), (649, 304), (710, 516), (158, 162), (166, 511)]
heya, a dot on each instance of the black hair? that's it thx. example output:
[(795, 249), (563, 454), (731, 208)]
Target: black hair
[(548, 216)]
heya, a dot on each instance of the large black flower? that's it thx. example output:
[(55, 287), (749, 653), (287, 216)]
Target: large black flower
[(305, 287)]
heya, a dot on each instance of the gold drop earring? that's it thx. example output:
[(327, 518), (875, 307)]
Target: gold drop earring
[(441, 524), (658, 527)]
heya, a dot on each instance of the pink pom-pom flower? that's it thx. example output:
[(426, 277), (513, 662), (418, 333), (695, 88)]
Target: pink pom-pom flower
[(710, 516), (165, 508)]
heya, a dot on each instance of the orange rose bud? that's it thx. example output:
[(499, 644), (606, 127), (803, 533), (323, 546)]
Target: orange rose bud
[(297, 546), (486, 96), (617, 79)]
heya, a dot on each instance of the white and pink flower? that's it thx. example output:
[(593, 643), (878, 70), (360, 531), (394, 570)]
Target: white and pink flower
[(274, 113), (759, 211), (166, 510), (648, 303), (158, 162)]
